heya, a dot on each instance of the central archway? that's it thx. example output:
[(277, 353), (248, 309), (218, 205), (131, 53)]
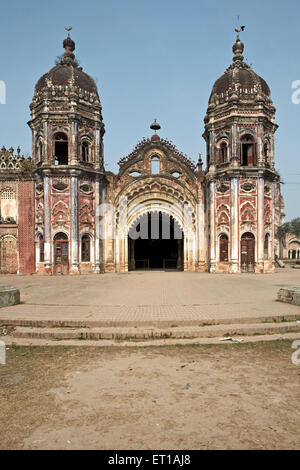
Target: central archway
[(155, 241)]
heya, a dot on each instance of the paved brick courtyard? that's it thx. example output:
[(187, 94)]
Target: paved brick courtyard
[(150, 297)]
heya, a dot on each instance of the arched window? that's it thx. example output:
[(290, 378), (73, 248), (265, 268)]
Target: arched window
[(155, 165), (85, 151), (223, 242), (61, 149), (223, 153), (247, 151), (39, 151), (85, 248)]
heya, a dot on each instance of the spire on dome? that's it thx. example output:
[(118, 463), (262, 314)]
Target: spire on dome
[(69, 46), (238, 47)]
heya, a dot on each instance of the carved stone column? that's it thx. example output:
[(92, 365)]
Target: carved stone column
[(47, 221), (234, 266), (97, 227), (212, 227), (260, 226), (74, 231)]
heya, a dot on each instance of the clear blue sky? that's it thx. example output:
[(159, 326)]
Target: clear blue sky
[(154, 59)]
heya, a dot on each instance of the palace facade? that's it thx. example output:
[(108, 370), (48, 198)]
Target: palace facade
[(62, 213)]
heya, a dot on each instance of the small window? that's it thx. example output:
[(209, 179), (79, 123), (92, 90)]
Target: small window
[(61, 149), (155, 165), (85, 248), (247, 151), (85, 151)]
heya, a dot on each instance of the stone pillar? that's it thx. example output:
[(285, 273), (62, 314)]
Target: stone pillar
[(272, 152), (185, 250), (234, 139), (260, 225), (212, 156), (47, 219), (126, 240), (73, 142), (74, 231), (260, 158), (234, 266), (97, 228), (200, 235), (272, 234), (212, 227), (46, 142)]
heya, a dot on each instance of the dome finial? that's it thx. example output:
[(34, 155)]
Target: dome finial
[(238, 47), (68, 29), (69, 46)]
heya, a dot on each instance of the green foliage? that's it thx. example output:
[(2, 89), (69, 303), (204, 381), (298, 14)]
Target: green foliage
[(26, 167), (292, 227)]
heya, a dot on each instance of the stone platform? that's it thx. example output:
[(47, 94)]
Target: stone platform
[(149, 299)]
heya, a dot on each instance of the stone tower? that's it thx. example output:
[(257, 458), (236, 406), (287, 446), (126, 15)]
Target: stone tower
[(241, 177), (67, 148)]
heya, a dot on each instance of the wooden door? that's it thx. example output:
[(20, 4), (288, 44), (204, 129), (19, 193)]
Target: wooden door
[(247, 250), (223, 248), (61, 258)]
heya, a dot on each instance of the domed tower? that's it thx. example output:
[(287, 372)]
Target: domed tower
[(67, 149), (239, 132)]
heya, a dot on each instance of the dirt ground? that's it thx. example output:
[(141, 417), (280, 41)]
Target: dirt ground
[(229, 396)]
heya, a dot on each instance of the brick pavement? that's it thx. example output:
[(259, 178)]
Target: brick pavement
[(151, 298)]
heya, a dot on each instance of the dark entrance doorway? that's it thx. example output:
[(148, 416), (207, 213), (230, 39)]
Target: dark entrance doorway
[(155, 241), (61, 254), (248, 251)]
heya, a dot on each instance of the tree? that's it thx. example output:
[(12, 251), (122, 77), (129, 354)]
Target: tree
[(292, 227), (295, 227)]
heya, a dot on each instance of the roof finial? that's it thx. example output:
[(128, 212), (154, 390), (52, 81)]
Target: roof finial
[(155, 126), (238, 47), (69, 46), (68, 29)]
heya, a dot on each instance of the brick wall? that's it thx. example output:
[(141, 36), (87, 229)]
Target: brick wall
[(26, 227)]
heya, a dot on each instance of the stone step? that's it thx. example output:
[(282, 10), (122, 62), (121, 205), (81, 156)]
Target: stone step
[(148, 324), (211, 331), (104, 343)]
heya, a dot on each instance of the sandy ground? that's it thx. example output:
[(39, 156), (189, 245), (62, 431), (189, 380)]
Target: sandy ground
[(230, 396)]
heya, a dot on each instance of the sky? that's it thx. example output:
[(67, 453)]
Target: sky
[(155, 59)]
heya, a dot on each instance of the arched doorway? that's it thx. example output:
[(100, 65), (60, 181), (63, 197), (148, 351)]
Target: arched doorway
[(155, 241), (61, 254), (248, 251)]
